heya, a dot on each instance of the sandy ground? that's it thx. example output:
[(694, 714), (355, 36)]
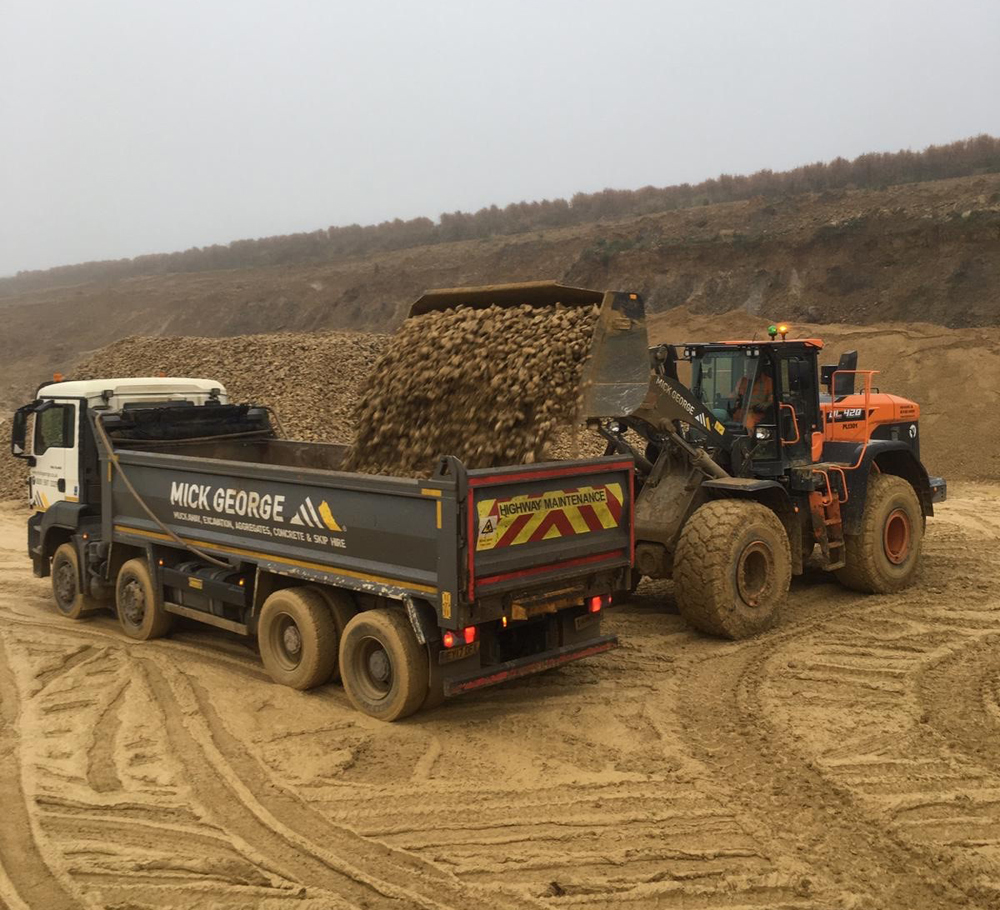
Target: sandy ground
[(850, 758)]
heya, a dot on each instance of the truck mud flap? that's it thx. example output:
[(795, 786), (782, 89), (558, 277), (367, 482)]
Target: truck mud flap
[(525, 666)]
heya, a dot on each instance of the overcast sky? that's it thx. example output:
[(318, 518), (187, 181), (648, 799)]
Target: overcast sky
[(136, 126)]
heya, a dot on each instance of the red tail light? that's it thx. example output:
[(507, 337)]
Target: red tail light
[(469, 633), (448, 639), (595, 603)]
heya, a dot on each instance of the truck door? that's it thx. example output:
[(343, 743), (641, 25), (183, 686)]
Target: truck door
[(55, 474)]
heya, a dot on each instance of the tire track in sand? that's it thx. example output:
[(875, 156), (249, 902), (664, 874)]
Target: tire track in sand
[(797, 809), (23, 862), (238, 793)]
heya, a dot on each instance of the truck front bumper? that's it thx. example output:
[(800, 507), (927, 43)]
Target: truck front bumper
[(525, 666)]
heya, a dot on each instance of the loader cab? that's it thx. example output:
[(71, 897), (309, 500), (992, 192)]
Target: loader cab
[(765, 394)]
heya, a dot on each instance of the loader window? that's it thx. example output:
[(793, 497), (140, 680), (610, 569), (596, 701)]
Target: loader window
[(717, 376), (54, 428)]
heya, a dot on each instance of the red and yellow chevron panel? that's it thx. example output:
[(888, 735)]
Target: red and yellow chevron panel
[(542, 516)]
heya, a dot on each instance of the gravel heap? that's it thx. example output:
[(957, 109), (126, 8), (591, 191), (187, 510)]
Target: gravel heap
[(490, 386), (312, 381), (494, 386)]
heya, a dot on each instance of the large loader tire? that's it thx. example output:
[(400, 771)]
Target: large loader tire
[(139, 614), (70, 599), (384, 669), (297, 638), (732, 568), (883, 558)]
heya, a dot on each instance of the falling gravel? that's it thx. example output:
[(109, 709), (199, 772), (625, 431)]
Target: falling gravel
[(490, 386)]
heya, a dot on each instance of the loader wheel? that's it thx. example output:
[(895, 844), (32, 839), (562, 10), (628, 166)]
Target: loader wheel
[(139, 614), (883, 558), (385, 670), (342, 608), (70, 600), (732, 568), (297, 637)]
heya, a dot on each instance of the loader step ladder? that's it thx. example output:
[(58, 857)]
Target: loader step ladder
[(828, 525)]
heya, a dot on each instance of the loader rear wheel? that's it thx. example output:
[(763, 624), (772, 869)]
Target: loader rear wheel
[(883, 558), (297, 638), (342, 608), (384, 669), (139, 614), (732, 568), (70, 600)]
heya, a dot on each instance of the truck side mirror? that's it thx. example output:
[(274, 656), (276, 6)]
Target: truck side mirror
[(19, 431)]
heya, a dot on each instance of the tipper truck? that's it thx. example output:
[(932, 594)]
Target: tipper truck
[(160, 498)]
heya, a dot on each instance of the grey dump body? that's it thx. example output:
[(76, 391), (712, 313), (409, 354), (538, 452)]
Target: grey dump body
[(468, 543)]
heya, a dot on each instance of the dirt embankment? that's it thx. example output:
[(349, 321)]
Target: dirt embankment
[(926, 252)]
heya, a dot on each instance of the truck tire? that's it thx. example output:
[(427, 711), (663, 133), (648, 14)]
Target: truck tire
[(297, 637), (883, 558), (732, 568), (385, 670), (139, 614), (70, 599), (342, 608)]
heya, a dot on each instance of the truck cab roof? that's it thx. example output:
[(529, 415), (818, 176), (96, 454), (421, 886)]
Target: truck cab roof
[(114, 393)]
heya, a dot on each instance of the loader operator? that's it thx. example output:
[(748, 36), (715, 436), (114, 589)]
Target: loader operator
[(751, 410)]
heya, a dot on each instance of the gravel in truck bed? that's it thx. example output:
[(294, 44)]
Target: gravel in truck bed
[(490, 386)]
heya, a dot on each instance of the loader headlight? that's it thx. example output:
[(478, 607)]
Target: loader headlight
[(615, 427), (762, 433)]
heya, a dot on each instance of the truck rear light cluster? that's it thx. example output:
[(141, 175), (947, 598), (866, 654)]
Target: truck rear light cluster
[(597, 602), (469, 634)]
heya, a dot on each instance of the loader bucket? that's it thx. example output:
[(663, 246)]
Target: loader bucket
[(616, 377)]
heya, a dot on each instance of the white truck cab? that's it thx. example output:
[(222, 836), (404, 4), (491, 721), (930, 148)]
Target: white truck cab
[(55, 454)]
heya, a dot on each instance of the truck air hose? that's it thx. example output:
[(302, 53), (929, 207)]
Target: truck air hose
[(113, 458)]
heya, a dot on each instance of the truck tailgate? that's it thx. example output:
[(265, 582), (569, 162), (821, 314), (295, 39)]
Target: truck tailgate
[(538, 523)]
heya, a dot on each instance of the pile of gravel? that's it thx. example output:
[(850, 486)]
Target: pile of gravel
[(312, 381), (490, 386), (493, 386)]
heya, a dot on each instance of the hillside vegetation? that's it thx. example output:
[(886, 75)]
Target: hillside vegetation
[(876, 170)]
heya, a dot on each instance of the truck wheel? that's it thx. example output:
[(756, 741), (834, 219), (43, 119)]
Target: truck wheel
[(883, 557), (732, 568), (139, 615), (342, 608), (70, 600), (297, 638), (385, 669)]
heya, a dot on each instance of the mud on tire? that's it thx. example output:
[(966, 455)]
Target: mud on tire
[(70, 600), (384, 669), (732, 568), (139, 614), (297, 637), (883, 558)]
